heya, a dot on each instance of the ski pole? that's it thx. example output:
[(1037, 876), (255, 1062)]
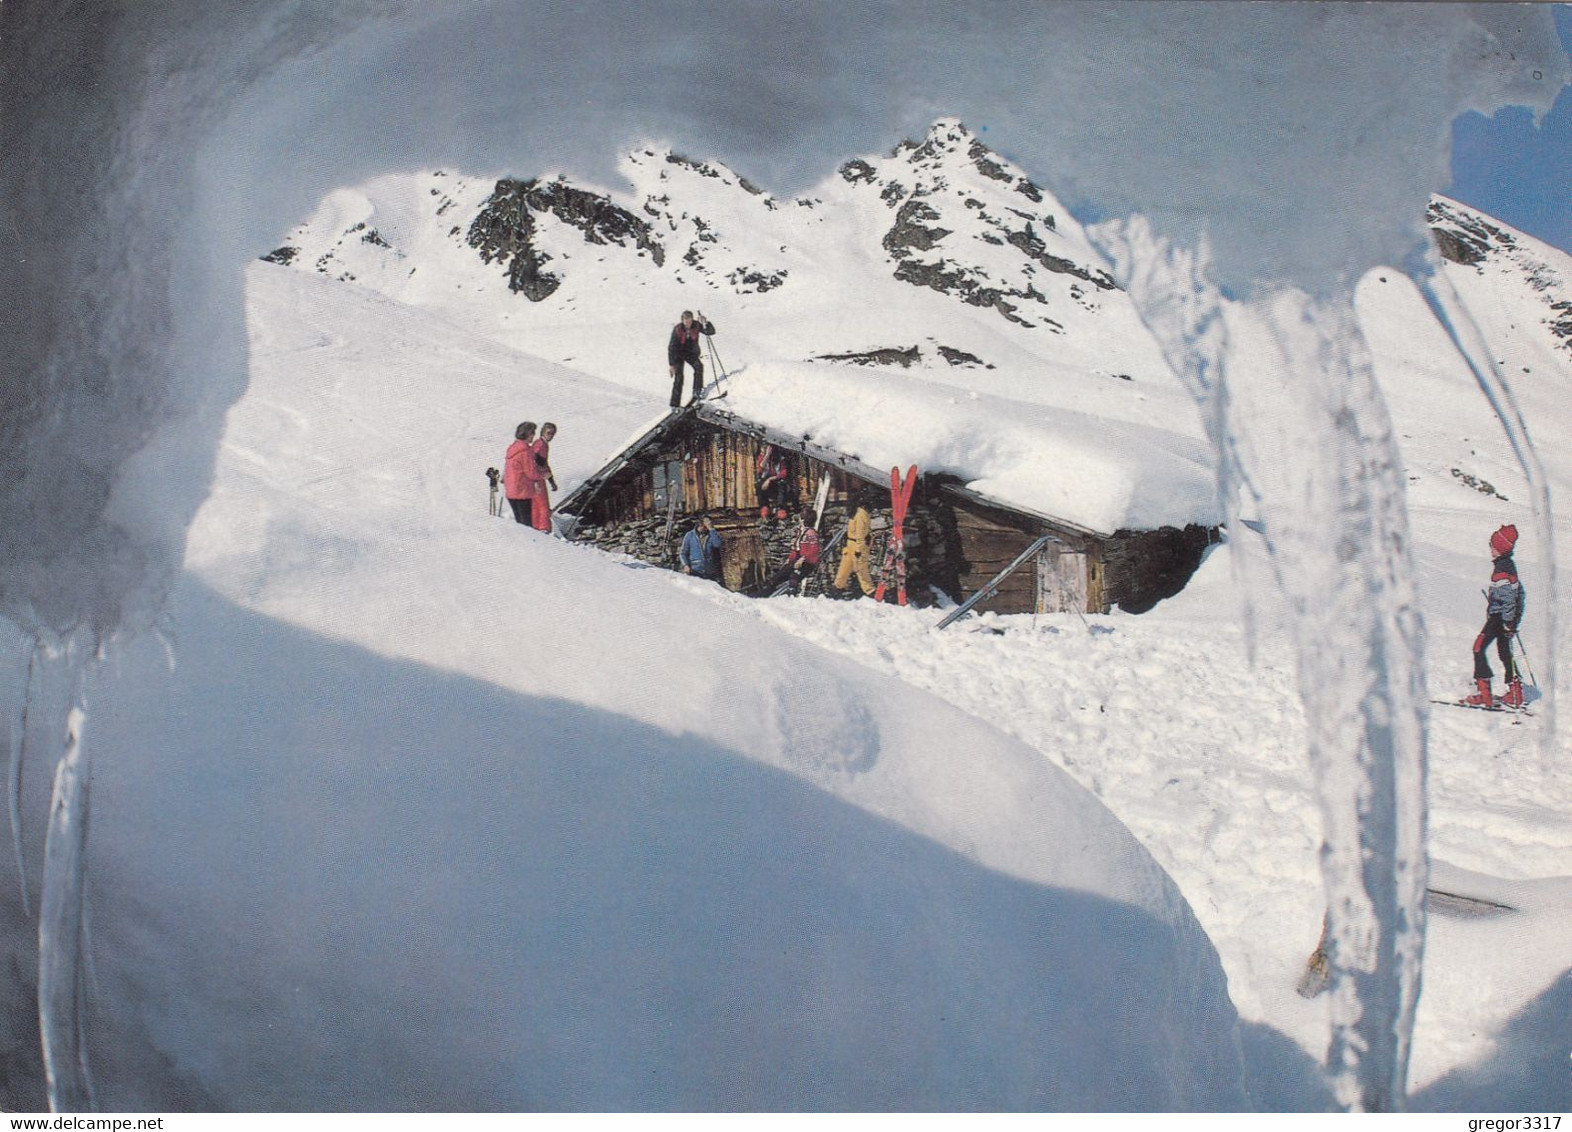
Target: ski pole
[(714, 353), (1523, 652), (720, 369)]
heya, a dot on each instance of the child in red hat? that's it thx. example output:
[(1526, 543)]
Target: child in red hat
[(1503, 610)]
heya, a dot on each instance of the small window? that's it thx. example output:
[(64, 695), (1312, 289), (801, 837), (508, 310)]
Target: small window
[(668, 485)]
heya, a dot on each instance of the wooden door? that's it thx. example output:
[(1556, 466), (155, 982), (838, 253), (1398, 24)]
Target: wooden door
[(1061, 580), (742, 556)]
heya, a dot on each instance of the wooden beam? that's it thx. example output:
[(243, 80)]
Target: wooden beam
[(994, 585)]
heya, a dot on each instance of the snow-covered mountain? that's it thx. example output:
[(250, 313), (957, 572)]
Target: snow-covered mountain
[(945, 218)]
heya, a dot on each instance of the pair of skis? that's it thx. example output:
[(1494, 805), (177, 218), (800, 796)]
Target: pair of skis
[(1497, 706), (895, 553)]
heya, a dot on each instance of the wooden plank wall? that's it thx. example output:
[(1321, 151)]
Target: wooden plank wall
[(989, 543), (717, 476), (990, 540)]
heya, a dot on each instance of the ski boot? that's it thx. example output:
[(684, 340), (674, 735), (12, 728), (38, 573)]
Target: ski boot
[(1514, 695), (1482, 698)]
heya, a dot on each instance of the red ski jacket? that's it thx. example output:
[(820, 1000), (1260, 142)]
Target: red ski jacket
[(520, 475), (805, 548)]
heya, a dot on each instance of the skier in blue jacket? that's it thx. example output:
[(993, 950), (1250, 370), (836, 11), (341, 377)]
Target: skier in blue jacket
[(1503, 610), (700, 553)]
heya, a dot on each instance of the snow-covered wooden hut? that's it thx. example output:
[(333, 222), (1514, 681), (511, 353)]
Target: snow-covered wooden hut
[(959, 535)]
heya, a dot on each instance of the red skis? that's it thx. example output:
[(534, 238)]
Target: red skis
[(895, 553)]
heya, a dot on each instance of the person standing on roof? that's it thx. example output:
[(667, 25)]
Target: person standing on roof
[(1503, 610), (684, 347), (700, 552), (541, 451), (518, 477)]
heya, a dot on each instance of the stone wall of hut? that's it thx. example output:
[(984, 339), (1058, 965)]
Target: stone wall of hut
[(927, 566), (1144, 567)]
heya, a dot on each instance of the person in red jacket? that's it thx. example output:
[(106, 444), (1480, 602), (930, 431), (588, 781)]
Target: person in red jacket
[(803, 560), (541, 450), (519, 473), (772, 481)]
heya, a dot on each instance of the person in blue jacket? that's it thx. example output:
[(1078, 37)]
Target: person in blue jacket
[(700, 553)]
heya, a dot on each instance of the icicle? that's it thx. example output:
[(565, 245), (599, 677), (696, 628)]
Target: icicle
[(61, 931), (1306, 433), (1470, 342), (18, 758)]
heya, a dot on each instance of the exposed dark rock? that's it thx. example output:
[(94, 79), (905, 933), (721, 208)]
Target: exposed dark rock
[(952, 280), (1458, 247), (888, 356), (1032, 244), (1561, 322), (749, 281), (283, 256), (504, 229), (857, 170), (1145, 567), (1464, 238), (982, 157), (1482, 486), (893, 192), (371, 236), (909, 232), (749, 187), (1032, 193), (961, 357), (698, 167)]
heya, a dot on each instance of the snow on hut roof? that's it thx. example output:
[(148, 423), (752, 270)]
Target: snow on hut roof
[(1087, 469)]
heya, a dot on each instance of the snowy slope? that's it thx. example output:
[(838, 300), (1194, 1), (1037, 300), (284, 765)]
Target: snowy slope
[(1013, 360)]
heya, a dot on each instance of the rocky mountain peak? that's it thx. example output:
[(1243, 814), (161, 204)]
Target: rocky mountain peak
[(969, 224), (504, 229), (1472, 239)]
